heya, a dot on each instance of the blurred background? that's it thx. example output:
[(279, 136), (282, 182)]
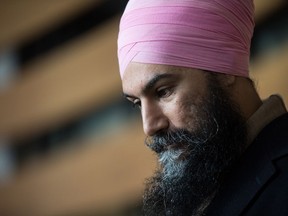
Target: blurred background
[(70, 145)]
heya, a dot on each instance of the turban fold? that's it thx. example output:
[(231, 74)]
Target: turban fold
[(212, 35)]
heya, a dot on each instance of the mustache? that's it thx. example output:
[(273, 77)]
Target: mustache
[(179, 138)]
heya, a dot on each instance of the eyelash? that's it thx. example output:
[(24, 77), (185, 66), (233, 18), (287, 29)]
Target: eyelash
[(136, 103), (162, 93), (165, 92)]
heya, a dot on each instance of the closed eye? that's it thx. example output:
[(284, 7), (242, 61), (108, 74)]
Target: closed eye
[(136, 103), (164, 92)]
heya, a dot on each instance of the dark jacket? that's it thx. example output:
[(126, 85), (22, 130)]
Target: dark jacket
[(258, 184)]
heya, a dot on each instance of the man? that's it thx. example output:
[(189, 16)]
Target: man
[(222, 151)]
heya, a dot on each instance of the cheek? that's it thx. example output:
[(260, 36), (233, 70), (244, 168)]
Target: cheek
[(187, 113), (191, 116)]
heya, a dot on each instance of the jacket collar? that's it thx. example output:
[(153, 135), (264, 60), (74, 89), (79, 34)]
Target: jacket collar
[(253, 170), (271, 108)]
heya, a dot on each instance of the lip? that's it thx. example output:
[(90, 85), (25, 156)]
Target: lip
[(160, 147), (172, 146), (163, 148), (176, 146)]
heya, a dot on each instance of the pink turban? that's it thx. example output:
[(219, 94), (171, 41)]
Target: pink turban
[(212, 35)]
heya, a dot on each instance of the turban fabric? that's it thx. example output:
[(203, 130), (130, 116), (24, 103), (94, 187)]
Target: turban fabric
[(212, 35)]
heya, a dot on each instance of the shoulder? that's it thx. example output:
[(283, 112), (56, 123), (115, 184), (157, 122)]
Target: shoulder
[(273, 139), (257, 185)]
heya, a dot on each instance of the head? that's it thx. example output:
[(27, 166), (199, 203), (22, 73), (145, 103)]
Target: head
[(194, 119), (195, 123)]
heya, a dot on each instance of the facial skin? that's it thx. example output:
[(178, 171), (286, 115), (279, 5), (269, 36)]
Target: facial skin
[(194, 127), (154, 90)]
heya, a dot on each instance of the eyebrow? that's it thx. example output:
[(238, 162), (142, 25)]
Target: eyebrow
[(151, 83)]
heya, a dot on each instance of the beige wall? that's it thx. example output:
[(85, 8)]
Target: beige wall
[(103, 173)]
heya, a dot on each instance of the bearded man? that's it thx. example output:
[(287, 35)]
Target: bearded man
[(221, 149)]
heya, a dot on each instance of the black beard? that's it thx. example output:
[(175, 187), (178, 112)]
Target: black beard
[(193, 164)]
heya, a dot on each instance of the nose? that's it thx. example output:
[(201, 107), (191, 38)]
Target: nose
[(153, 118)]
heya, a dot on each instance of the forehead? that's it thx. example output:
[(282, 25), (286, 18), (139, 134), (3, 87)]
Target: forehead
[(137, 75)]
